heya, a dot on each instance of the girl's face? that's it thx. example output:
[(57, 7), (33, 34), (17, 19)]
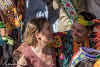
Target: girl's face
[(45, 34), (2, 32), (79, 32)]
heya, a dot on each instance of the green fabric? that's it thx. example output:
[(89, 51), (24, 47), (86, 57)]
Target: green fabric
[(98, 57), (90, 23), (2, 24), (8, 40), (68, 51)]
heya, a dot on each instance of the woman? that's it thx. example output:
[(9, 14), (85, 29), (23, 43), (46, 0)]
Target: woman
[(34, 52)]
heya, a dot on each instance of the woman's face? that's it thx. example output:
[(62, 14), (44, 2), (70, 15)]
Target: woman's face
[(79, 32), (46, 34)]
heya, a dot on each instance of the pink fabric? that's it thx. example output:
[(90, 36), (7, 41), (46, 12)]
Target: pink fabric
[(35, 61)]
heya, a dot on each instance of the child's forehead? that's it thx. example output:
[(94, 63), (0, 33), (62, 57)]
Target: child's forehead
[(2, 28)]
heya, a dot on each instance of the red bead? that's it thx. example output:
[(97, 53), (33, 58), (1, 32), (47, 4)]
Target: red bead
[(72, 13), (67, 4)]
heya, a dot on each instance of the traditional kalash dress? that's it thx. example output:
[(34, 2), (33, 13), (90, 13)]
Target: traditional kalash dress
[(66, 46)]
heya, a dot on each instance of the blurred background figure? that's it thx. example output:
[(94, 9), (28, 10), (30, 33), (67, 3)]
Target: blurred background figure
[(7, 45)]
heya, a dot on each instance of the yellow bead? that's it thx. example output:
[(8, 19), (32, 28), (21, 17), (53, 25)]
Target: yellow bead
[(82, 21)]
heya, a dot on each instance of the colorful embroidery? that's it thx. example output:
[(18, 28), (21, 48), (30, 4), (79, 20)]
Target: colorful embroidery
[(11, 16), (83, 53), (10, 13), (70, 10), (57, 39)]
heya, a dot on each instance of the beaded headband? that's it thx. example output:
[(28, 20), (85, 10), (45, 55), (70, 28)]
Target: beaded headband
[(84, 22)]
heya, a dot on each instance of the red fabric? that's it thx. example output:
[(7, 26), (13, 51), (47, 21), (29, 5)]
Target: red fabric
[(96, 20), (97, 39)]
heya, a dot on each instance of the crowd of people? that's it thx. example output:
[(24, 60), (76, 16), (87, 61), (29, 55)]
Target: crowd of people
[(48, 33)]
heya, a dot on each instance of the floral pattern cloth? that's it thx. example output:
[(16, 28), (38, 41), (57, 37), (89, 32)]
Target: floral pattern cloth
[(70, 10)]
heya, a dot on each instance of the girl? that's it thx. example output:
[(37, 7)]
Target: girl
[(34, 52)]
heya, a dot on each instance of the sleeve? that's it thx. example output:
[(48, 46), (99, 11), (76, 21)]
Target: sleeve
[(21, 62)]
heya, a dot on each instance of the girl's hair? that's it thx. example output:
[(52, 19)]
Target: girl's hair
[(33, 27)]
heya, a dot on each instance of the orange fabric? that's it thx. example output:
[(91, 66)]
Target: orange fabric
[(76, 47), (97, 39), (97, 64)]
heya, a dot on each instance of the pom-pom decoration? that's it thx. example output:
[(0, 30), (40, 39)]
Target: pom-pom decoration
[(12, 17)]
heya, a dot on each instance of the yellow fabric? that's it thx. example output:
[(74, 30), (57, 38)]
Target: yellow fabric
[(97, 64)]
